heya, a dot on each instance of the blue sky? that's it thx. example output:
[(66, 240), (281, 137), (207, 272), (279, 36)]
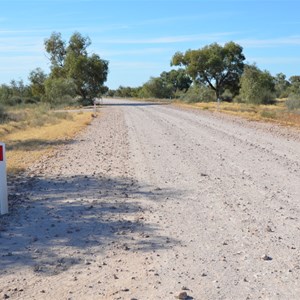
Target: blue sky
[(139, 37)]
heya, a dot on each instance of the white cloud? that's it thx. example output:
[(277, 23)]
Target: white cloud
[(134, 64), (262, 43), (21, 44), (275, 60), (184, 18), (145, 51), (22, 61), (170, 39), (22, 31)]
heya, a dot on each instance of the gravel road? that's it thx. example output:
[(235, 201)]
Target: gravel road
[(156, 202)]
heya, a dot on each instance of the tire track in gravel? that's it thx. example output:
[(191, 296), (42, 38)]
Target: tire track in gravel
[(152, 200), (82, 214), (249, 194), (240, 155)]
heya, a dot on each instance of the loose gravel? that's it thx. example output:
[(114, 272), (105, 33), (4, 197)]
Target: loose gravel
[(156, 202)]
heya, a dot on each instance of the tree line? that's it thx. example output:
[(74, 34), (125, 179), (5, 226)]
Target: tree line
[(211, 73), (74, 74), (217, 72)]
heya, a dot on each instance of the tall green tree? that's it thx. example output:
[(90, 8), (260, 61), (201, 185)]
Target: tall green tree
[(218, 67), (56, 48), (78, 44), (88, 72), (72, 61)]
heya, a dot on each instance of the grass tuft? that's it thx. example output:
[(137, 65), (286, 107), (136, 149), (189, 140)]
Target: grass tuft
[(35, 132), (271, 113)]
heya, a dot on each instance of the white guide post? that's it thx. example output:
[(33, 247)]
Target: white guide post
[(3, 181)]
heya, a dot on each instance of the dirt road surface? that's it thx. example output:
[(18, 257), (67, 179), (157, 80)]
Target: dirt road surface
[(156, 202)]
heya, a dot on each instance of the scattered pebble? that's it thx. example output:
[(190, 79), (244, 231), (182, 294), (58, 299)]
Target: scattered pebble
[(182, 296), (266, 257)]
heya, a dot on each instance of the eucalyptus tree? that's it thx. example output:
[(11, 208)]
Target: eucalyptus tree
[(73, 62), (218, 67)]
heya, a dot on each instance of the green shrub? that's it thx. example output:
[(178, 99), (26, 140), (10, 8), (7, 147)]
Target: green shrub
[(227, 96), (59, 90), (5, 94), (13, 101), (65, 101), (257, 86), (268, 114), (30, 100), (293, 102), (198, 93), (238, 99), (62, 115), (3, 114), (17, 116), (85, 102)]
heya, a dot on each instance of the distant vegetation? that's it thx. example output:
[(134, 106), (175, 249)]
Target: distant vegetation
[(35, 131), (217, 73), (199, 78), (76, 77), (30, 124), (211, 73)]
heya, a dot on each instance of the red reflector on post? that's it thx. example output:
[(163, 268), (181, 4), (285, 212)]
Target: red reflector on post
[(1, 153)]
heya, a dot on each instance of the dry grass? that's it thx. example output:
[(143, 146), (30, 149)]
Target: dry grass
[(266, 113), (25, 146)]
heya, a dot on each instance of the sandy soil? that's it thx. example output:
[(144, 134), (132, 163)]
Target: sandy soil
[(152, 202)]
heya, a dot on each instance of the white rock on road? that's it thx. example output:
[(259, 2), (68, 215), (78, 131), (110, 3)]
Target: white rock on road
[(152, 198)]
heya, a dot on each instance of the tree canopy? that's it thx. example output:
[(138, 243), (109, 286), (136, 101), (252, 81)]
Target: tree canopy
[(72, 62), (166, 85), (218, 67), (211, 72)]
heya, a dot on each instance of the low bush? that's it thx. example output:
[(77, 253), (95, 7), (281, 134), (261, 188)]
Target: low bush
[(30, 100), (293, 102), (268, 114), (197, 93), (3, 114), (14, 100), (59, 91), (227, 96), (257, 87), (85, 102), (29, 116)]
